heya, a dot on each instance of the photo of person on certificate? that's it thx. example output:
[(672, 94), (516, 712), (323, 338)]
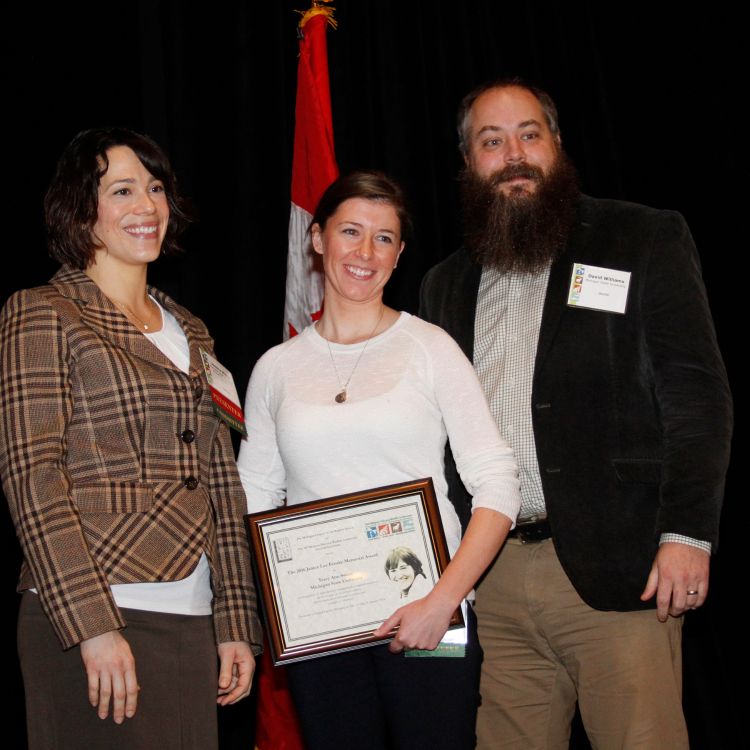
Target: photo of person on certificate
[(404, 569), (366, 397)]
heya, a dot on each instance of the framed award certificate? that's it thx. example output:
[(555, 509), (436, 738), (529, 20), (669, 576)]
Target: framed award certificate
[(331, 571)]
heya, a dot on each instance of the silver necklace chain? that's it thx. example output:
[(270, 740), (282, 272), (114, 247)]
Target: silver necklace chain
[(340, 397)]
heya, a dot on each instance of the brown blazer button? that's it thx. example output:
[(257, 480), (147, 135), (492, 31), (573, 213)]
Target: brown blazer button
[(187, 436), (190, 482)]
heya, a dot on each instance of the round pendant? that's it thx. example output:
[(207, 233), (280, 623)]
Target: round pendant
[(341, 397)]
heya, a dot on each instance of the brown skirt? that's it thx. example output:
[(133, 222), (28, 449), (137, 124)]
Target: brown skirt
[(176, 665)]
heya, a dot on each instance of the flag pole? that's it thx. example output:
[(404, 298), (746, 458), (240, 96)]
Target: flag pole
[(313, 170)]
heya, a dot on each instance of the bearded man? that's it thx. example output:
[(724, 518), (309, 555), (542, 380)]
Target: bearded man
[(588, 324)]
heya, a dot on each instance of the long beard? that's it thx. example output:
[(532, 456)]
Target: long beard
[(519, 232)]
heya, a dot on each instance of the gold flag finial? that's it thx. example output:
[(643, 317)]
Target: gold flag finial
[(318, 9)]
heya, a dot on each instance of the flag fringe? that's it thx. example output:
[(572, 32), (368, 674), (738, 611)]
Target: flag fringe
[(318, 9)]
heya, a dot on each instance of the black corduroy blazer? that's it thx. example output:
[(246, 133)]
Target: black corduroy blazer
[(632, 412)]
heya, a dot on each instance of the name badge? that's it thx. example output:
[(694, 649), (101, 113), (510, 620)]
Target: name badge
[(226, 402), (597, 288)]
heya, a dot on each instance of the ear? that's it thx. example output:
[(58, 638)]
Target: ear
[(400, 250), (317, 240)]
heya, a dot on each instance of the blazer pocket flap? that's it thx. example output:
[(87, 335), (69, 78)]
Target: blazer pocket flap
[(640, 470), (114, 497)]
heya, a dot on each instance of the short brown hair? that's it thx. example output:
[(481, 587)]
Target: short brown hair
[(403, 554), (367, 184)]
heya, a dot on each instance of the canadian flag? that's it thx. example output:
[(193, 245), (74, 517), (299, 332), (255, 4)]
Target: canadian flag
[(313, 170)]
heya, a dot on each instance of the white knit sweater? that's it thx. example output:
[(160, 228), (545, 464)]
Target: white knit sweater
[(412, 390)]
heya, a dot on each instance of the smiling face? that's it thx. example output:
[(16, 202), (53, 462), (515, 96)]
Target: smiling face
[(403, 575), (510, 141), (132, 212), (360, 245)]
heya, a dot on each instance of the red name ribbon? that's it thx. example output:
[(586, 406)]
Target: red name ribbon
[(224, 403)]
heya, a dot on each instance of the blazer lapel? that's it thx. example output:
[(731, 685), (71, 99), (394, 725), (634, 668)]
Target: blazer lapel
[(555, 301), (462, 307), (98, 312)]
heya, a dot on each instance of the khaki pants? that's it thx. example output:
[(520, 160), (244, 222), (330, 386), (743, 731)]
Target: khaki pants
[(544, 648)]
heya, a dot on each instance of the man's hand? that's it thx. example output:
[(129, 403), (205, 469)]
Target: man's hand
[(236, 668), (110, 670), (677, 572)]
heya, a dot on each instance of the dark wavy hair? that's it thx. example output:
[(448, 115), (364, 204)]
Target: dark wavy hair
[(72, 199), (370, 185)]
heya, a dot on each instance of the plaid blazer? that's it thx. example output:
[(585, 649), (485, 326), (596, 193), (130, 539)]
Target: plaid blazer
[(115, 467)]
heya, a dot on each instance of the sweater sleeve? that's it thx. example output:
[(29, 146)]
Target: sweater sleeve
[(484, 460)]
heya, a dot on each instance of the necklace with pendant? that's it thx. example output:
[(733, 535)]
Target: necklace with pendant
[(129, 313), (340, 397)]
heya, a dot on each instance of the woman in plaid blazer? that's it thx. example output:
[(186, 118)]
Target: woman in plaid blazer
[(120, 479)]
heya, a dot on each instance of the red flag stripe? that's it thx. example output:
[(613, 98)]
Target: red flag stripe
[(313, 170), (314, 167)]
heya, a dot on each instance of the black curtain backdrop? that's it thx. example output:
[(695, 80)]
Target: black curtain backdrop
[(646, 113)]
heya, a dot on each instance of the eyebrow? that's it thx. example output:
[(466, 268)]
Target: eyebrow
[(498, 129), (359, 225), (490, 129), (128, 180)]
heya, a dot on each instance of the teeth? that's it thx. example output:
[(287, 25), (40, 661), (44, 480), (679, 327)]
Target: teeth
[(362, 273), (141, 230)]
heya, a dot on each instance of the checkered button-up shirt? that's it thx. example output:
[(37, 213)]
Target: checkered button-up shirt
[(506, 332)]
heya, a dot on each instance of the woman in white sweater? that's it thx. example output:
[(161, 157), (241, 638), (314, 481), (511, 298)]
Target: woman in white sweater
[(367, 397)]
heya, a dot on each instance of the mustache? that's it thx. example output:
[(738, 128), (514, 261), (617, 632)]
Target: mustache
[(513, 172), (519, 231)]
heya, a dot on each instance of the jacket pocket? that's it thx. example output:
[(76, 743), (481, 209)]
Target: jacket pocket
[(638, 470), (114, 497)]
